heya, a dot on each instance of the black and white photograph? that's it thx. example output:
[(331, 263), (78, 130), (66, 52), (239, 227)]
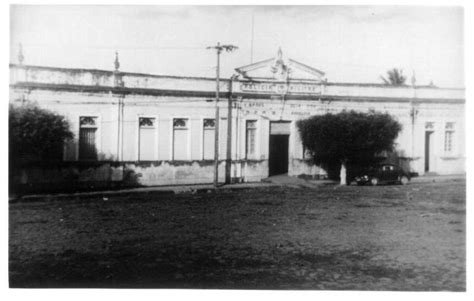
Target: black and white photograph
[(237, 147)]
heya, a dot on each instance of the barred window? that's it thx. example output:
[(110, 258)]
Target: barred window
[(251, 134)]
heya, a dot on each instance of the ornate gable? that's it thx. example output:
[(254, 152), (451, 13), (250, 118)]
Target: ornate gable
[(280, 69)]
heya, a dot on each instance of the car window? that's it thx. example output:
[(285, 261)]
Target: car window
[(388, 167)]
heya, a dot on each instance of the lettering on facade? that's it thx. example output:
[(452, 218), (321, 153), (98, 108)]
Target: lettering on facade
[(296, 113), (299, 110), (268, 109), (281, 88)]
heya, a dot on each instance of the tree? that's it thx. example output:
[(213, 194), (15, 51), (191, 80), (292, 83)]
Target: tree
[(348, 138), (395, 77), (36, 134)]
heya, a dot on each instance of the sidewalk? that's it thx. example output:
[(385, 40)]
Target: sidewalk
[(438, 178), (279, 180), (285, 180), (198, 188), (297, 182)]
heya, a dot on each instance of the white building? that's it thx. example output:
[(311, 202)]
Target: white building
[(159, 130)]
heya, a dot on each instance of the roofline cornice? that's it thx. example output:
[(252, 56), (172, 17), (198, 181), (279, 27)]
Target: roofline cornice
[(257, 80), (224, 94)]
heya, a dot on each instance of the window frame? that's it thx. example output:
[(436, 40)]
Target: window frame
[(188, 137), (451, 130), (155, 135), (98, 136), (248, 155), (204, 129)]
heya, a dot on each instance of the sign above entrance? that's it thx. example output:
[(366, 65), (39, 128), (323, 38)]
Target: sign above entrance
[(280, 88)]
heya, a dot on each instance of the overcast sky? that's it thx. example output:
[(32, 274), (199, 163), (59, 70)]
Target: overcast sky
[(348, 43)]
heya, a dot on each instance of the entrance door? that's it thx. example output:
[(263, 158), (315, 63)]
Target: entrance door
[(278, 151), (87, 148), (278, 159), (428, 151)]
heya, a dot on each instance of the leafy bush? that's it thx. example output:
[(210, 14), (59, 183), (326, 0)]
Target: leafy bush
[(36, 134), (348, 138)]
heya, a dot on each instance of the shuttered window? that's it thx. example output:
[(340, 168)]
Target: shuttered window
[(180, 138), (251, 134), (146, 137), (449, 137), (209, 129), (87, 138)]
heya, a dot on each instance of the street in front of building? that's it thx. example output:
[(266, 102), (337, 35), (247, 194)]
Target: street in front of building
[(320, 237)]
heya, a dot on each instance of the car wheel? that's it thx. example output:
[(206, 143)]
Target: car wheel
[(404, 180), (374, 181)]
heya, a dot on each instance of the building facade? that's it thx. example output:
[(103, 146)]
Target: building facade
[(159, 130)]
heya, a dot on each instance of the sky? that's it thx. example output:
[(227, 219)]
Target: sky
[(354, 44)]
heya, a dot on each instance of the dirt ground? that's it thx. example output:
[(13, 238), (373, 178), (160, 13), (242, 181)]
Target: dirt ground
[(326, 238)]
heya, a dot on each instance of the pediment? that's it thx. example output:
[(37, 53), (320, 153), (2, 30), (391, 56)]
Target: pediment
[(280, 69)]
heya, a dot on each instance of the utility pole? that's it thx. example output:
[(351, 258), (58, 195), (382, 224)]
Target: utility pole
[(228, 161), (218, 48), (413, 114)]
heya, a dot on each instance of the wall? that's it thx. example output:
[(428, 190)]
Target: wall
[(77, 176), (69, 92)]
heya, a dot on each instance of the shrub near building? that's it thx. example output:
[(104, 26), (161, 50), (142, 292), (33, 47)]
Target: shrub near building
[(348, 138), (35, 134)]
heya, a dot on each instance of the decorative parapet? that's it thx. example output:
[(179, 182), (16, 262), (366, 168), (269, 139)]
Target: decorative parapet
[(107, 79), (23, 74)]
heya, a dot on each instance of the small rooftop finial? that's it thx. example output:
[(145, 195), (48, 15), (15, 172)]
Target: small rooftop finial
[(280, 53), (21, 57), (413, 79), (116, 63)]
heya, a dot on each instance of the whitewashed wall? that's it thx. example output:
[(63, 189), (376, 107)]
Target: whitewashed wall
[(118, 133)]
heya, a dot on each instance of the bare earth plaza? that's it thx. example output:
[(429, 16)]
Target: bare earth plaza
[(211, 182)]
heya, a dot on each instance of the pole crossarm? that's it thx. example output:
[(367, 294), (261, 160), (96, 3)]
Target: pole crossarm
[(227, 48)]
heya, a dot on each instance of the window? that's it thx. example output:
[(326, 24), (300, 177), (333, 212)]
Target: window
[(429, 126), (180, 138), (146, 138), (448, 137), (87, 138), (209, 129), (251, 134)]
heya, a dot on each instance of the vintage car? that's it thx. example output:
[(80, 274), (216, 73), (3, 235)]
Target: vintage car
[(383, 174)]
